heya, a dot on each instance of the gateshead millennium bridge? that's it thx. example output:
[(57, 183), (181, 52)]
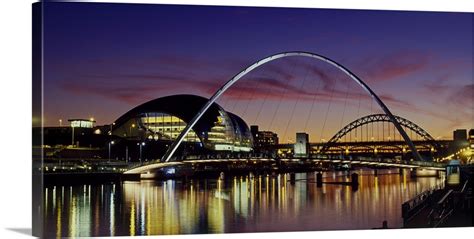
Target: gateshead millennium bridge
[(319, 152)]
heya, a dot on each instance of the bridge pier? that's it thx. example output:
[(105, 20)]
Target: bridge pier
[(184, 180), (131, 177), (354, 180), (376, 173), (384, 225), (401, 171), (319, 179), (292, 178)]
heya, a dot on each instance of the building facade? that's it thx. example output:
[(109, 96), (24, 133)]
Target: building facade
[(460, 139), (301, 146), (164, 118), (263, 139)]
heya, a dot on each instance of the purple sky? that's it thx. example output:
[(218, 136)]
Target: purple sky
[(100, 60)]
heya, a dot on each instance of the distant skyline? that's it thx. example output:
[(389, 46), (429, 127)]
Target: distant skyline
[(101, 60)]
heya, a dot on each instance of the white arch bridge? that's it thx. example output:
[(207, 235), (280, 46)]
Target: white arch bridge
[(168, 156)]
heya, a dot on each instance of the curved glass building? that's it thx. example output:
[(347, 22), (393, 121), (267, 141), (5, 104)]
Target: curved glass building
[(164, 118)]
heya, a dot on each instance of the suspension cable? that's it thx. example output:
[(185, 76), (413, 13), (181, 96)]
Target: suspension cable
[(372, 125), (358, 115), (345, 103), (281, 98), (237, 100), (327, 111), (253, 91), (294, 107), (312, 105), (261, 106)]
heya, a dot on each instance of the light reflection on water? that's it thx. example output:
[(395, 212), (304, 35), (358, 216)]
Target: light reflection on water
[(237, 204)]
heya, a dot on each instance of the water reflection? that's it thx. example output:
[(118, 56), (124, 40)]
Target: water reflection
[(238, 204)]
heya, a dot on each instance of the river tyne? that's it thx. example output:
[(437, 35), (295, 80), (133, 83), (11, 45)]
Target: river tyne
[(246, 203)]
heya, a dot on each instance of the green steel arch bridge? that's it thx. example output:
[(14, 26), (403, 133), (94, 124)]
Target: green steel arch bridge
[(343, 141), (375, 118)]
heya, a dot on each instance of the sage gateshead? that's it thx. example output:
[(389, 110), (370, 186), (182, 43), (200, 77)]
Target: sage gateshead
[(164, 118)]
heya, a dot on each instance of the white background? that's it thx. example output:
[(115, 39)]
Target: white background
[(15, 120)]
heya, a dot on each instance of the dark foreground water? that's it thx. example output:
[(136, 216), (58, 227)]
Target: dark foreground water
[(237, 204)]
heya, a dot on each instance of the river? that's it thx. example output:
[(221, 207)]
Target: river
[(237, 204)]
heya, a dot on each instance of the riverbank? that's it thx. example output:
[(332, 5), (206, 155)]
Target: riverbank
[(449, 206)]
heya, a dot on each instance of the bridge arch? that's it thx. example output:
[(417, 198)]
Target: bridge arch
[(169, 153), (380, 118)]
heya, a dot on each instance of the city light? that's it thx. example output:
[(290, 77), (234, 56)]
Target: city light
[(198, 122)]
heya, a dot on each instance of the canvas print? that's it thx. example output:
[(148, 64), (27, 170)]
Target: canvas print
[(152, 119)]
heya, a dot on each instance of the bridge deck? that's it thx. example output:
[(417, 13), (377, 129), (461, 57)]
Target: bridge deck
[(414, 164)]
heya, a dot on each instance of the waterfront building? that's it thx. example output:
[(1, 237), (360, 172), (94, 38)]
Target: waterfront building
[(154, 125), (460, 139), (301, 146), (82, 123), (263, 138), (164, 119), (460, 135)]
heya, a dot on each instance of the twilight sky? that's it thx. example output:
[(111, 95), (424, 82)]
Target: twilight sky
[(100, 60)]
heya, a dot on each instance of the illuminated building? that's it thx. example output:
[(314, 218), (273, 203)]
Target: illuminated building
[(82, 123), (263, 138), (460, 135), (164, 118), (301, 146), (460, 139)]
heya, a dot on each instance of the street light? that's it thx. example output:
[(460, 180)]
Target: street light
[(110, 145), (110, 132), (60, 123), (131, 126), (140, 145), (72, 143)]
